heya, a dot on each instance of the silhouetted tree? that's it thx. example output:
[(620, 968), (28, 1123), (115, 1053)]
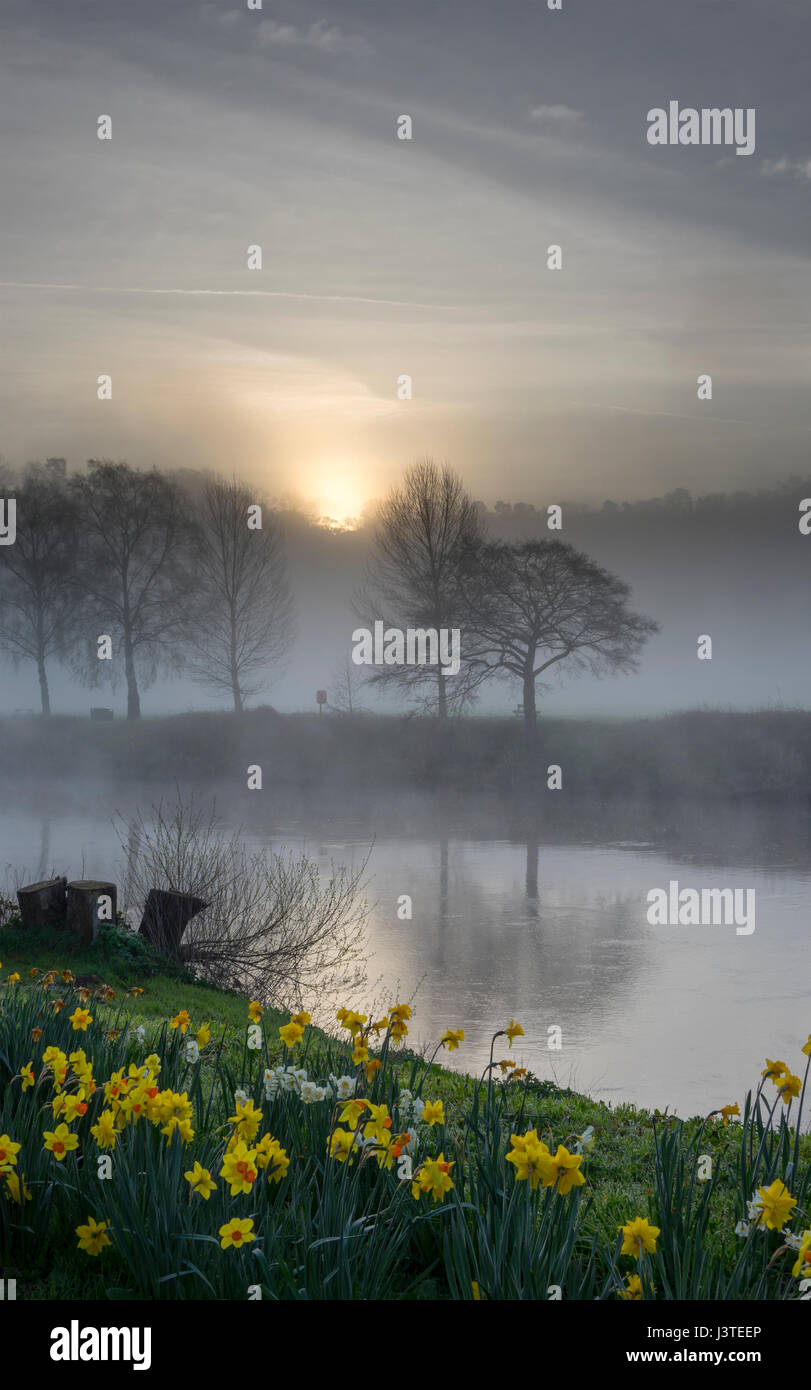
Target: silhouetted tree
[(540, 603), (37, 608), (242, 611), (427, 532), (132, 569)]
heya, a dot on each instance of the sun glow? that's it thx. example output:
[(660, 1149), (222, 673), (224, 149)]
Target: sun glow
[(337, 494)]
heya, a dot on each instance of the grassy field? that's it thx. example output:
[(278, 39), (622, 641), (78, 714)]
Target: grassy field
[(343, 1220)]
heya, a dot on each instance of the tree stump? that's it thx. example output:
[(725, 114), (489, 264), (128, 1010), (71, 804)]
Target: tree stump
[(166, 916), (91, 906), (43, 904)]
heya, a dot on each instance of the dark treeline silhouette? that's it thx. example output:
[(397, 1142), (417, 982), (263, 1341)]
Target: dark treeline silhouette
[(193, 575)]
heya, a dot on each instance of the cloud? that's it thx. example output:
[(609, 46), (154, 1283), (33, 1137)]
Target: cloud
[(799, 168), (558, 115), (322, 36)]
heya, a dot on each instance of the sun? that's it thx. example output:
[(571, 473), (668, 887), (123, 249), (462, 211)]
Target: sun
[(337, 494)]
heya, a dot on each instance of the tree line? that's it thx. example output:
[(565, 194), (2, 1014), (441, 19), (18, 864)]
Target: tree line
[(189, 573)]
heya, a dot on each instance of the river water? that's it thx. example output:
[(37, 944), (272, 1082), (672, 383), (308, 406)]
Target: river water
[(514, 917)]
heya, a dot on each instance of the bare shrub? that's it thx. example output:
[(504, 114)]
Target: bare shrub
[(272, 927)]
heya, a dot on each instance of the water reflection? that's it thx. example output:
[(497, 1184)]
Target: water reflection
[(515, 916)]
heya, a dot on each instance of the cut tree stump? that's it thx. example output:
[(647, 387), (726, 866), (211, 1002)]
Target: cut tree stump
[(43, 904), (166, 916), (91, 906)]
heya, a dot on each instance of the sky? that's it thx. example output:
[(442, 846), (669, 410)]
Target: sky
[(234, 127)]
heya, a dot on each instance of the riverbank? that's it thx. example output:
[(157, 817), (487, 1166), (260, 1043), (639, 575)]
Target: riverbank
[(763, 756), (414, 1245)]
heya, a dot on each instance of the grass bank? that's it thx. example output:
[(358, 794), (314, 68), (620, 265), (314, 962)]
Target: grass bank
[(713, 754), (203, 1160)]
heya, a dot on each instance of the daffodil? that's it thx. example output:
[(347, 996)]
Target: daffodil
[(104, 1130), (239, 1168), (93, 1237), (433, 1177), (433, 1113), (638, 1237), (633, 1289), (16, 1188), (776, 1205), (255, 1010), (802, 1265), (203, 1035), (452, 1038), (561, 1170), (60, 1141), (236, 1232), (8, 1152), (513, 1031), (789, 1087), (247, 1120), (181, 1020), (528, 1156), (80, 1019), (727, 1111), (291, 1033), (341, 1144), (200, 1181)]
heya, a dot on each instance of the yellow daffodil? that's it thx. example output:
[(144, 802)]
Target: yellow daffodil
[(255, 1010), (247, 1120), (639, 1236), (727, 1111), (80, 1019), (802, 1266), (433, 1177), (239, 1168), (528, 1156), (633, 1289), (513, 1031), (291, 1033), (60, 1141), (788, 1087), (452, 1038), (104, 1130), (561, 1170), (203, 1035), (27, 1075), (8, 1152), (16, 1188), (302, 1018), (93, 1237), (181, 1020), (433, 1113), (360, 1055), (774, 1069), (777, 1204), (341, 1144), (236, 1232), (200, 1181)]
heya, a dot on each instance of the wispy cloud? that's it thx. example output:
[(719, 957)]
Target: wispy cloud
[(321, 36), (238, 294), (798, 168), (558, 115)]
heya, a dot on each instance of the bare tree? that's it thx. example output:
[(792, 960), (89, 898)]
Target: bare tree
[(428, 530), (37, 608), (271, 928), (242, 615), (542, 602), (132, 569)]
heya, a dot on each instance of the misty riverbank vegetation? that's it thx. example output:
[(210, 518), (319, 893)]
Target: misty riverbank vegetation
[(163, 1139), (713, 754)]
